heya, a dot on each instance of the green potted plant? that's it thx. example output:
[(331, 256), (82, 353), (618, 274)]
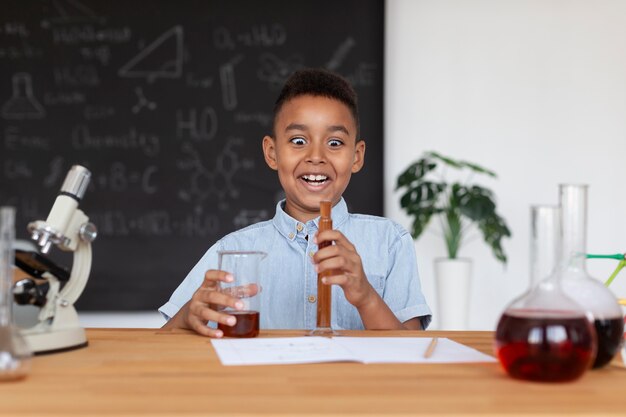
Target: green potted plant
[(461, 207)]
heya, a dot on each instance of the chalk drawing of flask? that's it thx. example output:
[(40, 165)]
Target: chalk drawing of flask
[(23, 104)]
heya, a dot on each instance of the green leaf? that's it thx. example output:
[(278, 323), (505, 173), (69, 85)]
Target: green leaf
[(476, 203), (494, 230), (478, 168), (424, 194), (445, 159), (415, 172), (421, 218)]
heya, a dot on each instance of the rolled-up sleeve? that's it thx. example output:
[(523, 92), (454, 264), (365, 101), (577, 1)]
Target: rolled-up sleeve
[(403, 291), (191, 283)]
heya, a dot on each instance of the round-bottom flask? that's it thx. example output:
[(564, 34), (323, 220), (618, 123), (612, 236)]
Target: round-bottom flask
[(597, 300), (604, 308), (544, 335)]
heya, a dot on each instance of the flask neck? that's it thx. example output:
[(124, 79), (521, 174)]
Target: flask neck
[(573, 202), (545, 241)]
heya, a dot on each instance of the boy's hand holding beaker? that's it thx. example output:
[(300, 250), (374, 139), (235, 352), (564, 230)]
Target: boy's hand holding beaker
[(228, 296), (208, 301)]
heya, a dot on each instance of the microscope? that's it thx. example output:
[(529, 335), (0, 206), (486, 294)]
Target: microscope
[(69, 229)]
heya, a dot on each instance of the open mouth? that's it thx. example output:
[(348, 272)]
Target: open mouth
[(314, 179)]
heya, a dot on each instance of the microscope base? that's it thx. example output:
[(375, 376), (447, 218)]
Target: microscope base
[(53, 341)]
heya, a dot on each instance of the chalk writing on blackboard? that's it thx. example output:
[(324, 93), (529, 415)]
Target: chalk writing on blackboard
[(275, 70), (196, 124), (216, 181), (70, 11), (340, 54), (163, 58), (142, 101), (166, 104), (23, 104), (227, 78)]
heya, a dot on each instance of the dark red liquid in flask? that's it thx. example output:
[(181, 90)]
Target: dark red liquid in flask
[(610, 336), (547, 346), (247, 324)]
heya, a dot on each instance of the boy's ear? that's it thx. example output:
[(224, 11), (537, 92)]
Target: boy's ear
[(359, 156), (269, 151)]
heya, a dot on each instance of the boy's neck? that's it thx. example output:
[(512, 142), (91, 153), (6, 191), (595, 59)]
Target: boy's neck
[(300, 214)]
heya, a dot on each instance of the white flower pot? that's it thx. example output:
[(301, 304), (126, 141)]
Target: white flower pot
[(452, 278)]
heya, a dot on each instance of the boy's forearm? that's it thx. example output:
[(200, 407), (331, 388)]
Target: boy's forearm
[(376, 315), (178, 321)]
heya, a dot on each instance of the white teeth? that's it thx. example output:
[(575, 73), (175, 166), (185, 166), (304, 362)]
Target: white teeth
[(316, 178)]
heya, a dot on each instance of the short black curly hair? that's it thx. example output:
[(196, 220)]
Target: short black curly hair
[(318, 82)]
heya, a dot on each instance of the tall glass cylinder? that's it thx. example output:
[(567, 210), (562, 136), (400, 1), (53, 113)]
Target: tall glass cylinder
[(598, 301), (14, 353)]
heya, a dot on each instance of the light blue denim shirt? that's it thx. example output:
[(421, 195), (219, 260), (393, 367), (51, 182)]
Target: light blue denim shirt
[(289, 280)]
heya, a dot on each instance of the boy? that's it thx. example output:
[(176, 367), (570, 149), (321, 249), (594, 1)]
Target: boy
[(315, 149)]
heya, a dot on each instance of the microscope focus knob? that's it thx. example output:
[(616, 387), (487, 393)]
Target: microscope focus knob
[(88, 232)]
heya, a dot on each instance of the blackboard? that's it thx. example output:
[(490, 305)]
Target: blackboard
[(166, 102)]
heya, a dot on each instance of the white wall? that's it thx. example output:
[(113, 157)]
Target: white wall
[(534, 90)]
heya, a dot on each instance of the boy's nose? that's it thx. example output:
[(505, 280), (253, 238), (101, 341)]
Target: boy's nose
[(316, 154)]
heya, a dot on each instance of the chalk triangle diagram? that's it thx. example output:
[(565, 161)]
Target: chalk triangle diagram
[(163, 58), (70, 11)]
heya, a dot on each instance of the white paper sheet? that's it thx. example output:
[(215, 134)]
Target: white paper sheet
[(292, 350)]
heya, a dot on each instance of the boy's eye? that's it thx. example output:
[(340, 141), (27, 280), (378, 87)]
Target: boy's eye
[(335, 142), (298, 141)]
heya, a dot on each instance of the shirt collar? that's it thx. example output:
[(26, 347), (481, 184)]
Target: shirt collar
[(288, 226)]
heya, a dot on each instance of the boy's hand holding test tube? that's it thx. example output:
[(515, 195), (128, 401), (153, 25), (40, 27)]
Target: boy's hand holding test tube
[(344, 265), (345, 268)]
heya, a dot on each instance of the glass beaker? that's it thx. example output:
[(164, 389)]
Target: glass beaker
[(544, 335), (590, 293), (244, 267), (15, 355)]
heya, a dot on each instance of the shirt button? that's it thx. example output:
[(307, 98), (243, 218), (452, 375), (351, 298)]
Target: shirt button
[(299, 227), (312, 298), (311, 254), (291, 235)]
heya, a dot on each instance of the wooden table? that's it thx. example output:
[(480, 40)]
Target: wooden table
[(151, 372)]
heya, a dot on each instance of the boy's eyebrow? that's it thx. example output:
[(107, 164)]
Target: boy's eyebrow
[(333, 128), (295, 126), (338, 128)]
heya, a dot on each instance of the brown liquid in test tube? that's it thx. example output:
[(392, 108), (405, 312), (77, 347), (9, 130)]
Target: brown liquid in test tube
[(323, 290)]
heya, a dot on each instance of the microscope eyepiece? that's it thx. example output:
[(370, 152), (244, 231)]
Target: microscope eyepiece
[(59, 222), (76, 182)]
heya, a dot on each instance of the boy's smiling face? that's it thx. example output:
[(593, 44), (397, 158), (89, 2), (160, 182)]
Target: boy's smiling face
[(315, 152)]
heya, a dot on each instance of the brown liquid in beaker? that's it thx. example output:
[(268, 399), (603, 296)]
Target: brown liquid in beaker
[(247, 324), (544, 346)]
